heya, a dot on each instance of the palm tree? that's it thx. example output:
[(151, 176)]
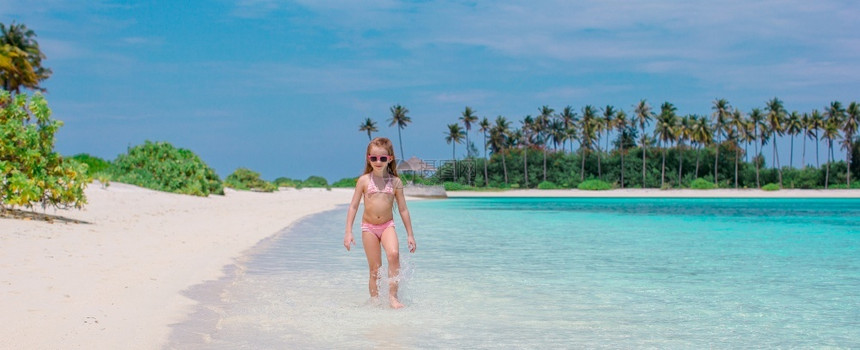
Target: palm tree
[(793, 126), (542, 124), (831, 132), (621, 124), (757, 120), (739, 125), (722, 109), (499, 141), (604, 124), (835, 114), (568, 119), (643, 118), (849, 127), (400, 118), (370, 126), (15, 69), (454, 136), (665, 132), (468, 118), (485, 127), (587, 137), (556, 133), (682, 132), (701, 135), (806, 122), (529, 126), (19, 49), (775, 116), (817, 123)]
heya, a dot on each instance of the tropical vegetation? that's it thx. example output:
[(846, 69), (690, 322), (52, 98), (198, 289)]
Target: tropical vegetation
[(163, 167), (249, 180), (31, 172), (723, 150)]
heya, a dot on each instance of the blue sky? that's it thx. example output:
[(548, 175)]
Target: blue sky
[(281, 87)]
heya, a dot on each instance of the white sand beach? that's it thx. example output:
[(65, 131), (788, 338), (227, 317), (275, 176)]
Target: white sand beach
[(116, 281)]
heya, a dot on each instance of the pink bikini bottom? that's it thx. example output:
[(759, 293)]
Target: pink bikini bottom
[(377, 229)]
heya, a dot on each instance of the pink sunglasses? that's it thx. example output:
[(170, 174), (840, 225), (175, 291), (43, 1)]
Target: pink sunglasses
[(383, 159)]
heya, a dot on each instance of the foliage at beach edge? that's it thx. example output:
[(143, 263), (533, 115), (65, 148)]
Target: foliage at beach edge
[(30, 171), (163, 167)]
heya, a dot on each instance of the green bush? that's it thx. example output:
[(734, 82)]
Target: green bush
[(286, 182), (162, 167), (249, 180), (594, 185), (770, 187), (314, 182), (348, 182), (95, 165), (702, 184), (547, 185), (30, 171), (454, 186)]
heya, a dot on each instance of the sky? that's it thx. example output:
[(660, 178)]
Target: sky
[(281, 87)]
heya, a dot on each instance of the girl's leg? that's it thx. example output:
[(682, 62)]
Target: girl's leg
[(374, 260), (392, 253)]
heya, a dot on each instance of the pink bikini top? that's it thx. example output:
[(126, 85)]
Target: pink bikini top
[(372, 189)]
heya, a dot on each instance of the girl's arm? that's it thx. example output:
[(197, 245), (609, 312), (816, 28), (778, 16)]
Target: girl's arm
[(348, 240), (404, 214)]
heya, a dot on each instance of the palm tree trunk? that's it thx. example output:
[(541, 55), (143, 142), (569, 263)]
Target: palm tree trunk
[(454, 157), (776, 161), (505, 167), (599, 173), (526, 166), (486, 179), (827, 176), (680, 164), (544, 162), (817, 160), (716, 159), (582, 170), (737, 149), (400, 139), (643, 163), (791, 154), (697, 161), (622, 169), (803, 157), (663, 169)]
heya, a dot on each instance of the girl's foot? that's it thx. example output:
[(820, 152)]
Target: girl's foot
[(395, 304)]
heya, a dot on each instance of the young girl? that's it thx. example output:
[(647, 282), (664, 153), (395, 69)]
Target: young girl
[(380, 186)]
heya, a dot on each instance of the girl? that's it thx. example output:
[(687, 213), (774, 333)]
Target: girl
[(380, 186)]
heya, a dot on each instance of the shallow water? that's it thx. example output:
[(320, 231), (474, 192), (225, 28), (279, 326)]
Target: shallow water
[(555, 273)]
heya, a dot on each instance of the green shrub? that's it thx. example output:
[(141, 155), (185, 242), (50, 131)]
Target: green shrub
[(547, 185), (348, 182), (770, 187), (247, 179), (286, 182), (702, 184), (95, 165), (594, 185), (162, 167), (453, 186), (315, 182), (30, 171)]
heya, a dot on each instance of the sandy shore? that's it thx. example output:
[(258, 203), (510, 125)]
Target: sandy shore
[(116, 281), (656, 193)]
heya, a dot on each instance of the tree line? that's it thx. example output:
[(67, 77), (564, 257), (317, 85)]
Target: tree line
[(597, 138)]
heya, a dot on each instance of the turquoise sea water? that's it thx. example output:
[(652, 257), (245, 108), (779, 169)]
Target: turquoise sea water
[(555, 273)]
